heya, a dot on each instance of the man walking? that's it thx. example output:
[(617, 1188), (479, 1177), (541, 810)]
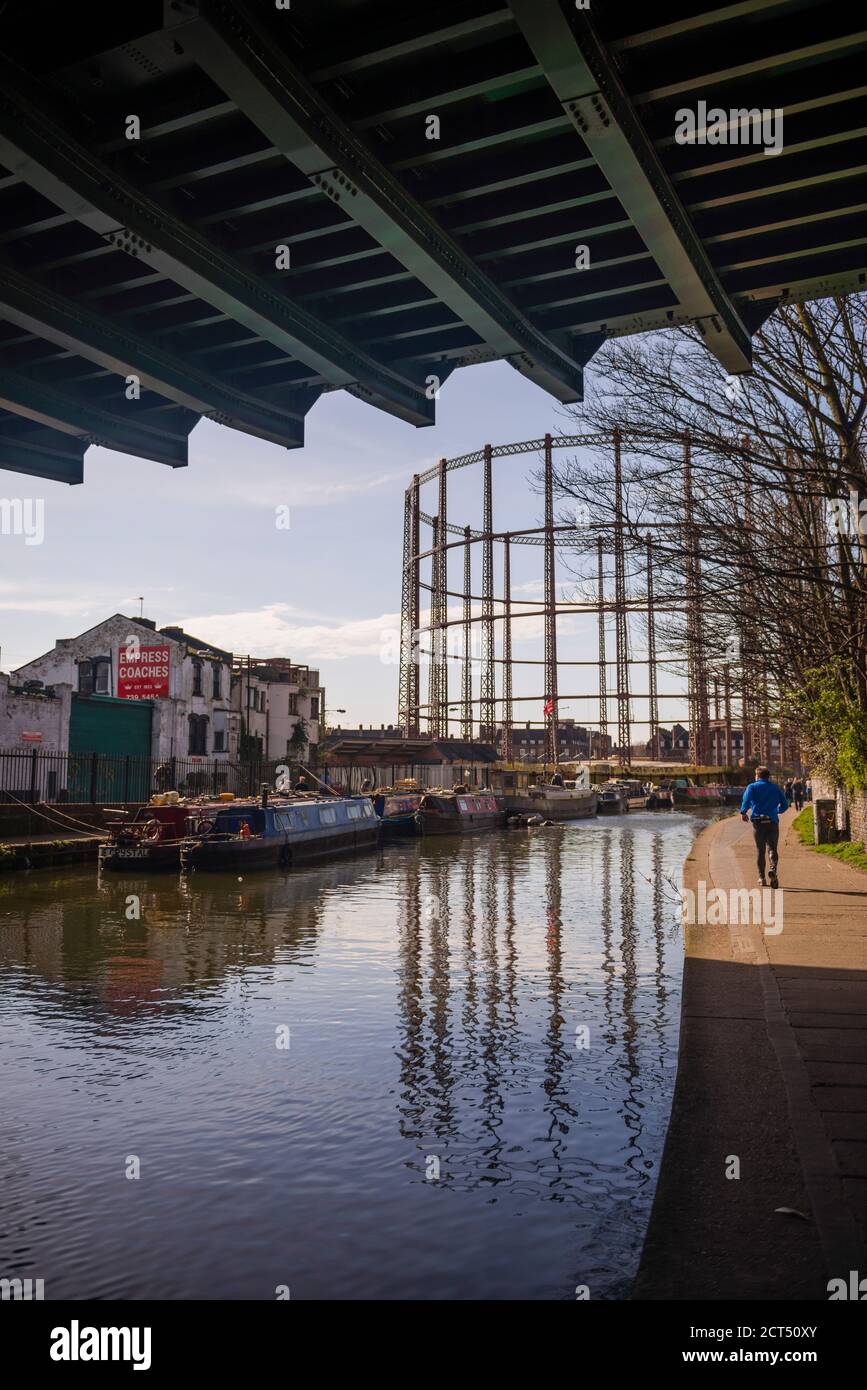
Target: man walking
[(798, 793), (762, 803)]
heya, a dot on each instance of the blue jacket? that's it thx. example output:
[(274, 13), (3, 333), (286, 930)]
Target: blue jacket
[(764, 799)]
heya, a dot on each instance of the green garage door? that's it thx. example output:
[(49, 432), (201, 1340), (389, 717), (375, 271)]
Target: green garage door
[(119, 732)]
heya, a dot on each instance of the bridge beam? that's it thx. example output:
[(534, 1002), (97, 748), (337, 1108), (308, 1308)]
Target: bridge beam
[(36, 146), (22, 395), (585, 79), (43, 453), (40, 310), (227, 42)]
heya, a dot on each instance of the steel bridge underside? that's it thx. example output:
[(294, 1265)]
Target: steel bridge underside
[(365, 195)]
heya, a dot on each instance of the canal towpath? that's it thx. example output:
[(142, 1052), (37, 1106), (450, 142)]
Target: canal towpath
[(772, 1072)]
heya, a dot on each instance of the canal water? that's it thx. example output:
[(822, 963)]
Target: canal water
[(444, 1072)]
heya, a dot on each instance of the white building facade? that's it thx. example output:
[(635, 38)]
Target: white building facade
[(187, 681), (273, 696)]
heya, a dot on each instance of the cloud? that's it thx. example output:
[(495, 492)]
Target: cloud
[(279, 630)]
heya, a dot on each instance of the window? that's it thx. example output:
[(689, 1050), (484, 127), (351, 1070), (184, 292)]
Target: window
[(218, 682), (198, 735), (94, 676), (328, 815), (197, 677), (219, 731), (314, 708), (293, 705), (354, 812), (367, 808)]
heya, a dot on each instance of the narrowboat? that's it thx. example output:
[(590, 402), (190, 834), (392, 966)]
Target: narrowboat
[(552, 802), (688, 793), (660, 798), (611, 801), (398, 812), (281, 833), (633, 790), (459, 813), (152, 839)]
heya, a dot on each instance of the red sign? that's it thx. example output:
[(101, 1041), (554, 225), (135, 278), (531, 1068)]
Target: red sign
[(143, 673), (30, 736)]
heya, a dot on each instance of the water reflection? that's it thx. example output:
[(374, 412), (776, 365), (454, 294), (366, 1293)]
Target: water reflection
[(436, 1000)]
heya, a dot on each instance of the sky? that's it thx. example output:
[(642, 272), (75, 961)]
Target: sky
[(202, 547)]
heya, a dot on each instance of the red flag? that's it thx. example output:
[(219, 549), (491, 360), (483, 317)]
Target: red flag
[(549, 708)]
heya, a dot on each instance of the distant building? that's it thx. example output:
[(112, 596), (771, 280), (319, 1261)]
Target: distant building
[(717, 739), (33, 715), (272, 696), (576, 744), (143, 691), (673, 745)]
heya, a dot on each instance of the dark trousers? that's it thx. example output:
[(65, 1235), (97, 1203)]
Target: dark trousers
[(767, 838)]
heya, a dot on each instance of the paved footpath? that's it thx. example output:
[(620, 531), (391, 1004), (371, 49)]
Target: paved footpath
[(772, 1072)]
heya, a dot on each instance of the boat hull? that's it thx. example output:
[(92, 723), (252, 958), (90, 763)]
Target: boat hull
[(571, 806), (434, 824), (152, 858), (398, 827), (275, 853)]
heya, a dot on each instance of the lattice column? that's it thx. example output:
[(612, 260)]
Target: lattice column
[(408, 682), (552, 742), (603, 669), (443, 585), (728, 755), (653, 703), (487, 707), (624, 723), (506, 751), (467, 674), (435, 633)]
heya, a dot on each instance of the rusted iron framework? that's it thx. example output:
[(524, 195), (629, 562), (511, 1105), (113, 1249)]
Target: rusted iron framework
[(624, 597)]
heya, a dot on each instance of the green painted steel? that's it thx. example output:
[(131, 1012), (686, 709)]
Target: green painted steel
[(110, 749)]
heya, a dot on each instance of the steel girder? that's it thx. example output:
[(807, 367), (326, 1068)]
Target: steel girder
[(55, 409), (43, 312), (227, 43), (43, 453), (588, 86), (39, 150)]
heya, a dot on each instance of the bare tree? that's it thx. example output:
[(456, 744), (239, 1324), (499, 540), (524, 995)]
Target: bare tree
[(755, 492)]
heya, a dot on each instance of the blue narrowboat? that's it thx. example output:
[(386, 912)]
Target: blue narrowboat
[(281, 833)]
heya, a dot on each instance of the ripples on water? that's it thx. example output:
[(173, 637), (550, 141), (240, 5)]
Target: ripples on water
[(433, 999)]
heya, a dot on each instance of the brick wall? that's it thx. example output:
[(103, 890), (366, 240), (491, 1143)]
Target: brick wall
[(858, 817)]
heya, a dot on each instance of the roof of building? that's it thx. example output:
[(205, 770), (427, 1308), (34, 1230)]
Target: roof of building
[(408, 751)]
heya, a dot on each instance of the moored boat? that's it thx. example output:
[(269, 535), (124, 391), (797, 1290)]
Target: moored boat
[(459, 813), (633, 791), (552, 802), (660, 799), (398, 812), (281, 833), (611, 801), (152, 839)]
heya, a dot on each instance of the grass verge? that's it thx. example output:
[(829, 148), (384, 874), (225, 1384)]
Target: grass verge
[(849, 852)]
